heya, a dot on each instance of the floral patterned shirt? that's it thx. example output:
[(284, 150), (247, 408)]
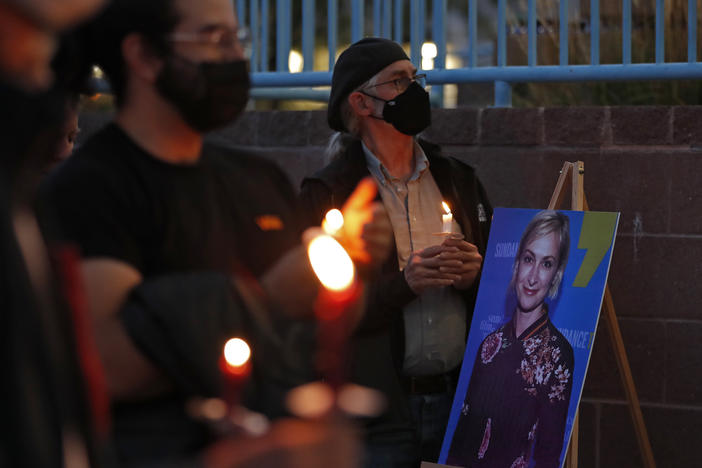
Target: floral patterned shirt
[(517, 400)]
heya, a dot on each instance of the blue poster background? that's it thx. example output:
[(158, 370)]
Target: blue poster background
[(575, 311)]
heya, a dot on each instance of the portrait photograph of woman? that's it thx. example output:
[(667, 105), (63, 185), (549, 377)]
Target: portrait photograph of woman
[(530, 339)]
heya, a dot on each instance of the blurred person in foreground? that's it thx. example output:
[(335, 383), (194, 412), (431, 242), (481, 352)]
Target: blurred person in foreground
[(411, 341), (187, 244), (45, 397)]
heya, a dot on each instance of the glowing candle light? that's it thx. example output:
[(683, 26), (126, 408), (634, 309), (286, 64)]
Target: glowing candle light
[(331, 263), (236, 354), (235, 365), (333, 222), (446, 218), (335, 270)]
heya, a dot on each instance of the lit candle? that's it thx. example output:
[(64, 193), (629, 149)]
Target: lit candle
[(446, 218), (333, 222), (336, 272), (331, 263), (235, 365)]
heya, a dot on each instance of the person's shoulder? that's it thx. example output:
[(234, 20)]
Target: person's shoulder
[(240, 158), (347, 165), (436, 155), (95, 171), (89, 162)]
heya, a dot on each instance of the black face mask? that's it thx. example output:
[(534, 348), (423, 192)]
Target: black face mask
[(208, 95), (409, 112)]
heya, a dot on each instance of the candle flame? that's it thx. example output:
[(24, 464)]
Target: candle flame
[(333, 222), (331, 263), (236, 352), (446, 207)]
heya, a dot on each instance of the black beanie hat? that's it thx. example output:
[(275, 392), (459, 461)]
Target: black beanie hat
[(357, 64)]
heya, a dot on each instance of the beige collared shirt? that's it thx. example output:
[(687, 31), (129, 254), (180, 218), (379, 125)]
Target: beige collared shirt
[(435, 322)]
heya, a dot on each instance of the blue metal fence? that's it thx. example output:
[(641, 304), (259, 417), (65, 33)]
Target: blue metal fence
[(387, 19)]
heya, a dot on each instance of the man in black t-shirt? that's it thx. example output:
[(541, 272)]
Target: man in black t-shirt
[(185, 244)]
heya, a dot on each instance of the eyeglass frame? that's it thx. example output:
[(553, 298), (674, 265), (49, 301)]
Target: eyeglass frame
[(420, 79), (242, 38)]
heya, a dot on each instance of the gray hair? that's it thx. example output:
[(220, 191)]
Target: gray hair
[(340, 141), (544, 223)]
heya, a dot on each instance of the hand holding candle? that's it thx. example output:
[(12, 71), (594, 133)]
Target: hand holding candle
[(465, 261), (367, 232)]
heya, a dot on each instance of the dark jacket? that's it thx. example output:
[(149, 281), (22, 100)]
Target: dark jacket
[(379, 340)]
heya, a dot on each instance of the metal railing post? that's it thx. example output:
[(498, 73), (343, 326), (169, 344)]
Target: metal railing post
[(415, 43), (531, 33), (503, 90), (626, 32), (594, 32), (439, 36), (308, 25), (472, 33), (377, 15), (691, 31), (660, 31), (503, 94), (387, 19), (563, 32), (332, 14), (264, 35), (283, 21), (399, 12), (356, 21)]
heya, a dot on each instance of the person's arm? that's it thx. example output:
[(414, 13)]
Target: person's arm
[(386, 292), (128, 372)]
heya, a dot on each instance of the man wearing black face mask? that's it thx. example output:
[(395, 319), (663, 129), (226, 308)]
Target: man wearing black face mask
[(172, 230), (412, 340)]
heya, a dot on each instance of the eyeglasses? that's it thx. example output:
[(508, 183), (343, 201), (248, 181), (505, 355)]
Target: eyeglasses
[(401, 84), (222, 38)]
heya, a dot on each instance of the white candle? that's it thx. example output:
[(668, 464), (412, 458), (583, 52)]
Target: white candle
[(446, 218)]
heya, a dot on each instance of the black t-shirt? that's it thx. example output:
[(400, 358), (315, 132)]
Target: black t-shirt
[(228, 210)]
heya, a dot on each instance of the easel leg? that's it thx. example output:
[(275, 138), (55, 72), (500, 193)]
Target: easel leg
[(628, 381), (572, 455), (576, 171)]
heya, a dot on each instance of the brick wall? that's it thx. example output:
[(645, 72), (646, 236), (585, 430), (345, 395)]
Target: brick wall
[(642, 161)]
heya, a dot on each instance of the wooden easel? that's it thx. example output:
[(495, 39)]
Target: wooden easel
[(575, 172)]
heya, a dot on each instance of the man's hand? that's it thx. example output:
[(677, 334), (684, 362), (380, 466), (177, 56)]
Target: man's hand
[(425, 269), (470, 261), (367, 234)]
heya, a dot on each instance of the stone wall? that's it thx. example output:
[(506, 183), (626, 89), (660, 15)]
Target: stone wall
[(642, 161)]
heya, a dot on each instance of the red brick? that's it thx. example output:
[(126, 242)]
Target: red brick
[(687, 125), (511, 127), (453, 126), (641, 125), (575, 126)]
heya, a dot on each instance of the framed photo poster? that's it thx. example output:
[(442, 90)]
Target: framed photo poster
[(530, 340)]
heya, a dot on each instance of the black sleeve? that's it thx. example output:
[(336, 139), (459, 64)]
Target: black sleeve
[(315, 200), (387, 295), (104, 224), (181, 322)]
